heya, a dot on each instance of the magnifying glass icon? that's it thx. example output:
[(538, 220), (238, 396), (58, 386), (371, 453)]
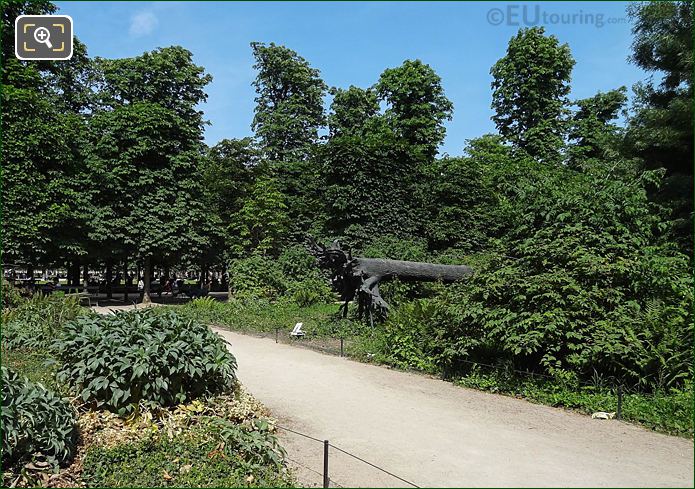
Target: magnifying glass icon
[(43, 36)]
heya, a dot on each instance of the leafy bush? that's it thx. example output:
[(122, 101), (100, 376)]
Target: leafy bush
[(204, 309), (37, 321), (407, 338), (35, 421), (155, 358), (256, 276), (11, 297), (293, 275), (214, 453), (585, 284)]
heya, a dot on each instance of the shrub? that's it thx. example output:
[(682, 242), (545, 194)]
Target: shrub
[(35, 421), (293, 275), (37, 321), (309, 292), (10, 295), (214, 453), (256, 276), (158, 359), (204, 309), (586, 283)]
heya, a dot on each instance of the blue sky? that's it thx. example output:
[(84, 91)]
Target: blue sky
[(351, 43)]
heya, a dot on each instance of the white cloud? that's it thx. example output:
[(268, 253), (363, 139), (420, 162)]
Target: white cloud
[(143, 23)]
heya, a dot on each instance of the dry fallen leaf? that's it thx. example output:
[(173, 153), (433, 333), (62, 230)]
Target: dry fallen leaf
[(185, 468), (166, 476)]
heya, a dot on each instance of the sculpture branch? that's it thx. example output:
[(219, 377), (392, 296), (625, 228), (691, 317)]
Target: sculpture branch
[(360, 277)]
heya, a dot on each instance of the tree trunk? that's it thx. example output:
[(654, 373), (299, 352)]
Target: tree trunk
[(125, 280), (410, 270), (76, 273), (146, 293), (85, 274), (109, 280)]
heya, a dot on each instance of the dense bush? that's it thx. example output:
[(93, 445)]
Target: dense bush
[(293, 275), (256, 276), (215, 453), (38, 320), (155, 358), (10, 295), (585, 285), (35, 422)]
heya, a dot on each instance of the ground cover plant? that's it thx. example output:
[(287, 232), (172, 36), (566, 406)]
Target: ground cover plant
[(213, 453), (37, 424), (128, 359)]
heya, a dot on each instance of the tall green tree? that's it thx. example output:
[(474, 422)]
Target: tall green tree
[(228, 174), (660, 130), (351, 109), (289, 103), (417, 106), (289, 113), (530, 87), (147, 156), (592, 133), (260, 226), (43, 187)]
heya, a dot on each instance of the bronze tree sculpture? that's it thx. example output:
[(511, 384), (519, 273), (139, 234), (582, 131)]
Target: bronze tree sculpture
[(360, 277)]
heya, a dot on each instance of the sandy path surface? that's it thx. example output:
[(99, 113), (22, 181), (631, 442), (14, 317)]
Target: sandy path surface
[(435, 434)]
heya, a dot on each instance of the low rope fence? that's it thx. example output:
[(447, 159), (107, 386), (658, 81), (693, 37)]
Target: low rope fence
[(326, 480)]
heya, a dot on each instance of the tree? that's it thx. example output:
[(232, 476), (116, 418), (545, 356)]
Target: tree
[(530, 88), (591, 131), (261, 224), (41, 190), (370, 181), (417, 106), (289, 105), (147, 155), (660, 129), (458, 204), (228, 174), (44, 191), (351, 109)]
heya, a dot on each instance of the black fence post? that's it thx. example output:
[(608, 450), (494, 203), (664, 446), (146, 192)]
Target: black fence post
[(325, 463), (276, 335), (341, 347), (619, 413)]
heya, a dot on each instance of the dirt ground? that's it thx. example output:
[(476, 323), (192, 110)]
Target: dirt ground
[(433, 433)]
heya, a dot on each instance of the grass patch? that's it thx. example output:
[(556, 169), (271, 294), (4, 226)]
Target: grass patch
[(37, 365), (669, 412)]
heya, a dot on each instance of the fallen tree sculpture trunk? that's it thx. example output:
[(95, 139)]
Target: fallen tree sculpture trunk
[(361, 276)]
